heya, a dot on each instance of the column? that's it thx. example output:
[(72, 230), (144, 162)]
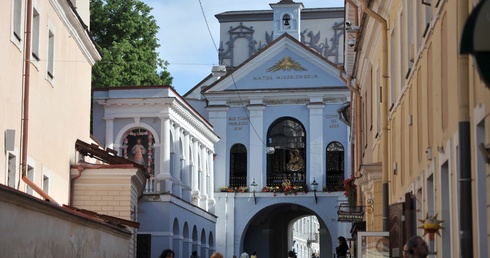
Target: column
[(109, 132), (257, 145), (211, 189), (177, 163), (186, 168), (204, 172), (218, 118), (195, 172), (163, 175), (316, 145)]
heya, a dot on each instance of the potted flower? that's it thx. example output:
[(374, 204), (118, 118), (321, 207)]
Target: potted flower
[(350, 190)]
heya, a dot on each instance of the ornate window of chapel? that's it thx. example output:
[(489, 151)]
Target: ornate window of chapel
[(238, 165), (335, 166), (287, 136)]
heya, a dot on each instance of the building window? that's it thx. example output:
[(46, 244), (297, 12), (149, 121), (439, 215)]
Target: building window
[(238, 165), (50, 65), (287, 137), (143, 245), (46, 184), (17, 21), (335, 166), (30, 176), (35, 34), (12, 160)]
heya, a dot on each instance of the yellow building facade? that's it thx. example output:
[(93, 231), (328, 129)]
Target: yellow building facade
[(420, 124)]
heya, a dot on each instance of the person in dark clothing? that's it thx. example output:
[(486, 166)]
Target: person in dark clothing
[(167, 253), (341, 249)]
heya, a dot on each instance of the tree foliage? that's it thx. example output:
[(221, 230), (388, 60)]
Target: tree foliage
[(125, 32)]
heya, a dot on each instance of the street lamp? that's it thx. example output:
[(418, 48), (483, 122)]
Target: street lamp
[(314, 187), (253, 186)]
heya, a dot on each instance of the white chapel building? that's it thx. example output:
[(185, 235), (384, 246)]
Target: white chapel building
[(278, 114)]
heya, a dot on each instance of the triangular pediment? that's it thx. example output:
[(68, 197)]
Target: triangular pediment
[(285, 64)]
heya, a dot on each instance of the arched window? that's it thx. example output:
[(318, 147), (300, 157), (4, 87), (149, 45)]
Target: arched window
[(238, 165), (138, 147), (287, 137), (335, 166), (286, 22)]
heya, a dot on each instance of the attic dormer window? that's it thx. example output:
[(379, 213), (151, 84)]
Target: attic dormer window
[(285, 20)]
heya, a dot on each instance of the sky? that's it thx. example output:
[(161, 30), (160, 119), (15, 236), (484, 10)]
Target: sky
[(187, 44)]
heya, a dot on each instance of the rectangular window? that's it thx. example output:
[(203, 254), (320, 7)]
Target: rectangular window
[(445, 74), (392, 67), (378, 102), (50, 65), (35, 34), (12, 160), (410, 50), (429, 100), (46, 184), (420, 111), (143, 245), (428, 15), (30, 175), (17, 18)]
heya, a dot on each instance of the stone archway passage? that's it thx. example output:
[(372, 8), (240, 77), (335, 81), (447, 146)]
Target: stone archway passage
[(268, 232)]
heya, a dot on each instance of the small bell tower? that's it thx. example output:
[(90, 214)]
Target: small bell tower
[(287, 18)]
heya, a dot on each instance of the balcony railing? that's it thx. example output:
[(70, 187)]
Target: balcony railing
[(334, 182)]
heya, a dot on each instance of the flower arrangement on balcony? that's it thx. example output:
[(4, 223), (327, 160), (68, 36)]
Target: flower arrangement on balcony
[(231, 189), (350, 190), (286, 187)]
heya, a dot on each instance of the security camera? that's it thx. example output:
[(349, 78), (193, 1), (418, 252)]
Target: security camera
[(351, 42), (349, 27)]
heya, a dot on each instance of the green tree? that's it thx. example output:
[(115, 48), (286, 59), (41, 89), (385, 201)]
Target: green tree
[(125, 32)]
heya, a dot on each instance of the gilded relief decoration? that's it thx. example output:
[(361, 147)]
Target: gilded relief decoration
[(286, 64)]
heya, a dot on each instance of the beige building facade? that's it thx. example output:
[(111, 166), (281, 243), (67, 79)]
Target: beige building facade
[(47, 60), (56, 106), (420, 113)]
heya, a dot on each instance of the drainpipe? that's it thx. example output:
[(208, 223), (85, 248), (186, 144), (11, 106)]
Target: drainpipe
[(464, 131), (25, 120), (355, 100), (80, 169), (347, 81), (354, 91), (384, 109)]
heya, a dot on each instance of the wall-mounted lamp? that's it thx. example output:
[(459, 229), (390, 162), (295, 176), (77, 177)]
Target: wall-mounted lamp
[(253, 187), (428, 151), (286, 19), (270, 150), (351, 42), (314, 187)]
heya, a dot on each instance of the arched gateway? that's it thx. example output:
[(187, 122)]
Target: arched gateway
[(265, 227)]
